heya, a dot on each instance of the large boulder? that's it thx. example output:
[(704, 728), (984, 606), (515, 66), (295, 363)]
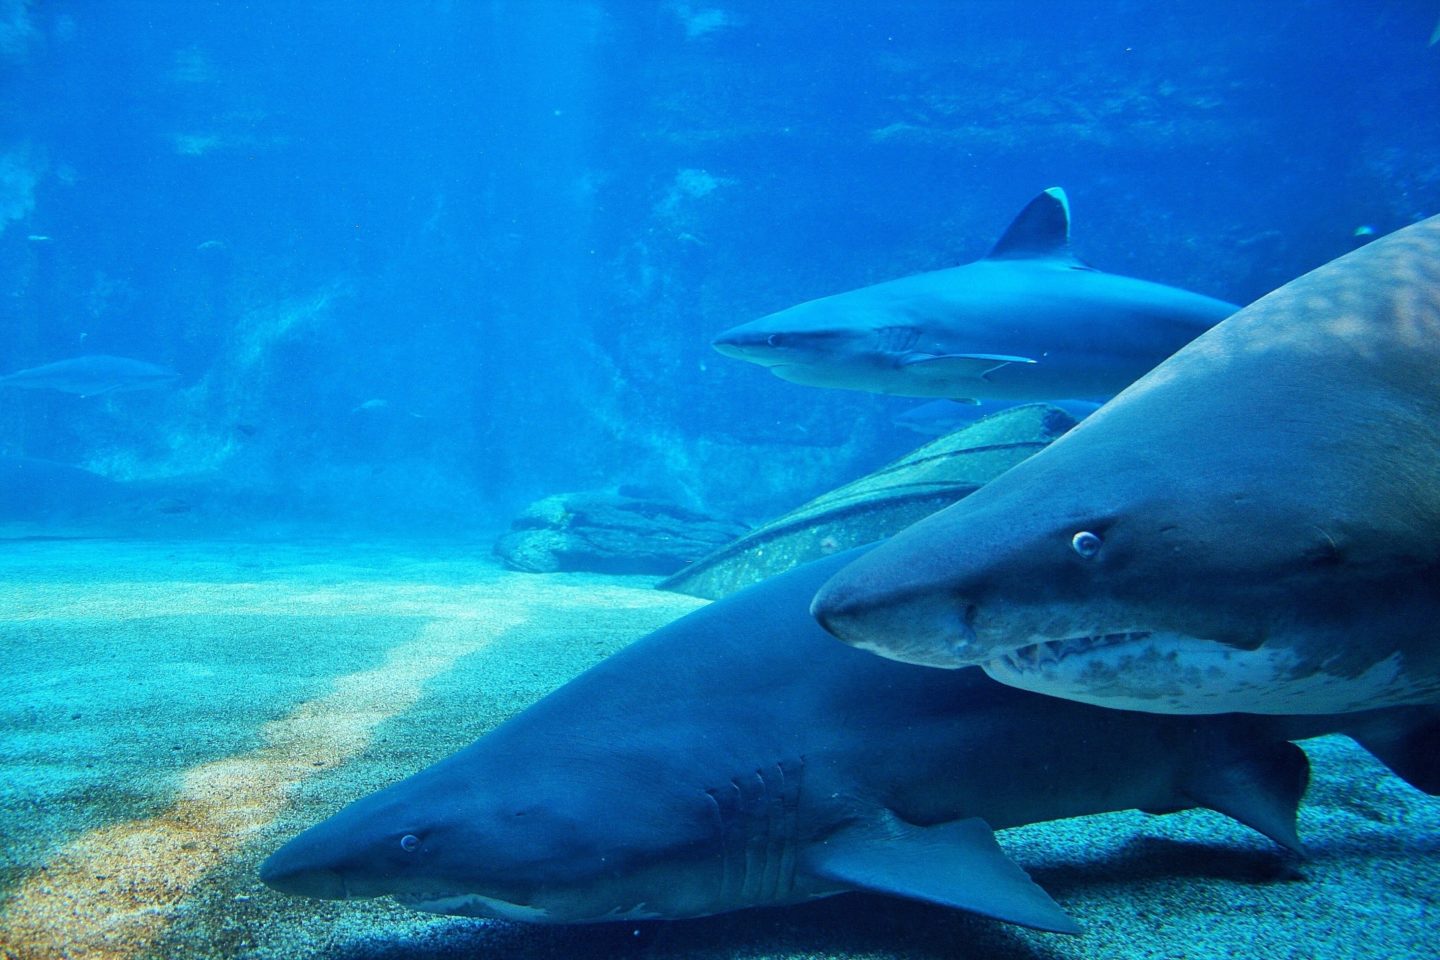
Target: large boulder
[(878, 505), (605, 532)]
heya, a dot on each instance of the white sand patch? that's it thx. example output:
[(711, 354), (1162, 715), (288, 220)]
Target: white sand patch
[(111, 892)]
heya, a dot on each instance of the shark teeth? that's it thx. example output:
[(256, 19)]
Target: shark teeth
[(1037, 656)]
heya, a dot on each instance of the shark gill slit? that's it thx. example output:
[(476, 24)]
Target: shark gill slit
[(758, 816)]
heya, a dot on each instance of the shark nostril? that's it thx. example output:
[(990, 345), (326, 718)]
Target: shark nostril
[(967, 638)]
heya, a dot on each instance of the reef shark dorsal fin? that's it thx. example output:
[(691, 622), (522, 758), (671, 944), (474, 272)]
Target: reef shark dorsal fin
[(1041, 230), (1260, 788), (956, 864)]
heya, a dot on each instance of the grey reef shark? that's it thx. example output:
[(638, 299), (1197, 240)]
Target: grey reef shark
[(92, 375), (740, 757), (1028, 322), (1254, 525)]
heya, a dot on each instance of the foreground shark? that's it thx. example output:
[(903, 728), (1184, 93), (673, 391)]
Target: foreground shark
[(1027, 322), (739, 757), (1254, 526), (92, 375)]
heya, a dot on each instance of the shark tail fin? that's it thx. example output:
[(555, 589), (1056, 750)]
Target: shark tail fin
[(1407, 740), (1260, 788), (1041, 230), (956, 864)]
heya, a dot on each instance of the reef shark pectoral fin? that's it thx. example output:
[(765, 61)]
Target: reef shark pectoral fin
[(959, 366), (956, 864), (1261, 789)]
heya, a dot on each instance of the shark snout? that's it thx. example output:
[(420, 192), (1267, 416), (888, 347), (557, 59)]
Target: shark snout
[(291, 870), (751, 346), (727, 345), (923, 627)]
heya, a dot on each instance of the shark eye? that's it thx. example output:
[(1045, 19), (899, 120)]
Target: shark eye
[(1086, 544), (409, 842), (774, 340)]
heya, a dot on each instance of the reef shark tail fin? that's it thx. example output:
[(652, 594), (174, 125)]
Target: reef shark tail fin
[(1260, 788), (956, 864)]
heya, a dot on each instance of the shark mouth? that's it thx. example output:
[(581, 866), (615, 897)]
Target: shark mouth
[(471, 905), (1161, 671), (1046, 653), (1154, 671), (493, 908)]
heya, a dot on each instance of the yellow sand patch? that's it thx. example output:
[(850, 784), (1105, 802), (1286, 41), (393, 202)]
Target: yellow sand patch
[(109, 893)]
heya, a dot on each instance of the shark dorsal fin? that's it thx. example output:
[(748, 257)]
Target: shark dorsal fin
[(1041, 230)]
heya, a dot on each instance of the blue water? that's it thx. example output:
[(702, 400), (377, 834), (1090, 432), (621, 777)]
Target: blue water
[(419, 263), (422, 263)]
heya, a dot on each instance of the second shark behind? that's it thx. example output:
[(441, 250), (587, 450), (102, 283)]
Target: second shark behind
[(740, 757), (1030, 321)]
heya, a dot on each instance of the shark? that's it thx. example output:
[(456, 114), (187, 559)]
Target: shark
[(92, 375), (739, 757), (1254, 525), (1029, 321)]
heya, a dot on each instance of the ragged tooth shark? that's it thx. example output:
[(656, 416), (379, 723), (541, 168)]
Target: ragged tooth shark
[(92, 375), (740, 757), (1255, 525), (1028, 322)]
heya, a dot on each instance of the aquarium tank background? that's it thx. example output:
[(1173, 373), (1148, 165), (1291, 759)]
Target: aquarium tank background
[(419, 264)]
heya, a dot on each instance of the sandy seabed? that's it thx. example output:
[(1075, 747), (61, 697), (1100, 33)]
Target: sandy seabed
[(172, 712)]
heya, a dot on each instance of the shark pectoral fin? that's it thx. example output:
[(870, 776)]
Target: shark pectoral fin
[(955, 864), (1260, 788), (958, 366)]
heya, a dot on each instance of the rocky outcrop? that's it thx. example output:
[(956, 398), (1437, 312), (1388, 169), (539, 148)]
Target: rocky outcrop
[(605, 532), (879, 505)]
